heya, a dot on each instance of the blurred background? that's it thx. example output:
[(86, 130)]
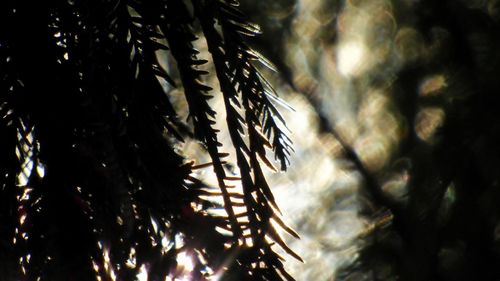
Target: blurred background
[(395, 128)]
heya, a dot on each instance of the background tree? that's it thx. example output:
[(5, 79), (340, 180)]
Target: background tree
[(408, 89), (446, 228), (93, 183)]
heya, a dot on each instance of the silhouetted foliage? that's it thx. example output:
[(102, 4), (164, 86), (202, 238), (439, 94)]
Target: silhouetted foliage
[(92, 185)]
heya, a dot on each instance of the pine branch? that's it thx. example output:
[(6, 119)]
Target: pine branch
[(179, 38), (237, 75), (93, 128)]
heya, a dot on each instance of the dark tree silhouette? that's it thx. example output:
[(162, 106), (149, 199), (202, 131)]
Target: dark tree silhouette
[(92, 186)]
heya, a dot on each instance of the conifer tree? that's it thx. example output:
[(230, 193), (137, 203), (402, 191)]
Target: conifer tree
[(92, 183)]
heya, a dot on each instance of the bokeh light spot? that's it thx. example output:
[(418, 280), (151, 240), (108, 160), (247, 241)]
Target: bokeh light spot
[(350, 57)]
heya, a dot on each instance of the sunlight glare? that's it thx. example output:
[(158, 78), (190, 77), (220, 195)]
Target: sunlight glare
[(40, 168), (432, 85), (186, 261), (428, 121), (350, 56), (143, 274)]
